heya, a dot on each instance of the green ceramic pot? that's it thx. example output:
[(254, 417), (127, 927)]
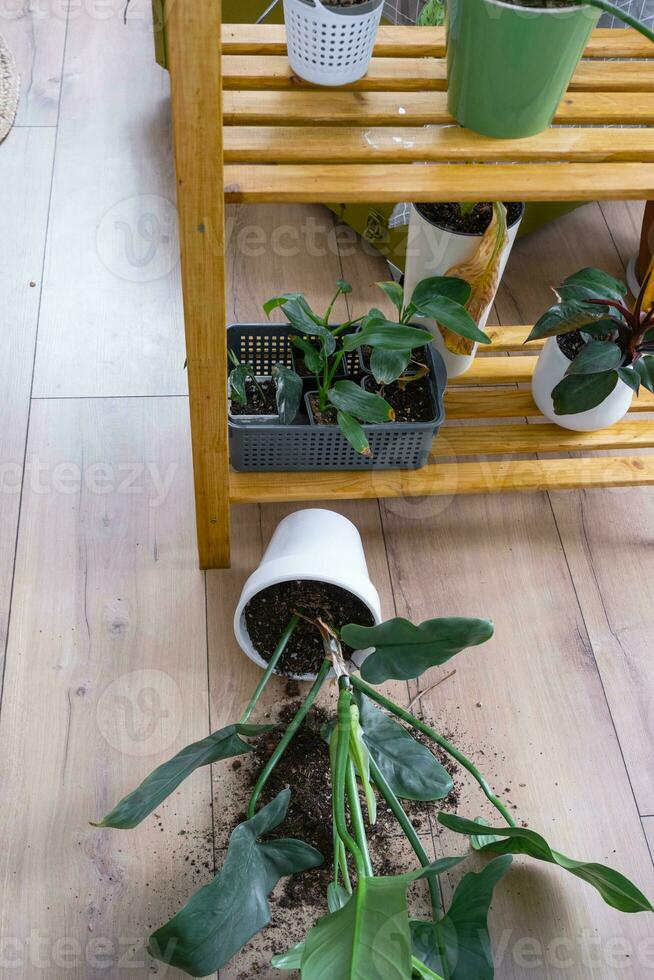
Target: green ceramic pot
[(508, 67)]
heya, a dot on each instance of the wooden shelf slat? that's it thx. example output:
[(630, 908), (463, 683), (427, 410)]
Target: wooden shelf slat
[(314, 107), (419, 42), (503, 440), (446, 478), (503, 403), (270, 72), (379, 144), (358, 183)]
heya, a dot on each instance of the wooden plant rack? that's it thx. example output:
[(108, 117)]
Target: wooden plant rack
[(278, 139)]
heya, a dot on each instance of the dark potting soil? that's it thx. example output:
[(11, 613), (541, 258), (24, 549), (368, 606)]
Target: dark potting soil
[(304, 768), (411, 402), (268, 613), (570, 344), (475, 222), (256, 405)]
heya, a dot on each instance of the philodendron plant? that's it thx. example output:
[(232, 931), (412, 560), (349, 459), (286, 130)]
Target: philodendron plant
[(325, 347), (618, 339), (367, 932)]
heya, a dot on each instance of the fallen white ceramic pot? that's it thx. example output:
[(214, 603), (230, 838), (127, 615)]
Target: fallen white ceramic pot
[(433, 250), (550, 369), (310, 545)]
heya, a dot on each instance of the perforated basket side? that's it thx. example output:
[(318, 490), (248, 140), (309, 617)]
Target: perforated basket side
[(329, 48)]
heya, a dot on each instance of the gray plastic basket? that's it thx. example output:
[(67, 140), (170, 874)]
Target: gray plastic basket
[(302, 446)]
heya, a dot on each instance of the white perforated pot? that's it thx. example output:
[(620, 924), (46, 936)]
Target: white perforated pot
[(432, 250), (311, 545), (331, 45), (550, 369)]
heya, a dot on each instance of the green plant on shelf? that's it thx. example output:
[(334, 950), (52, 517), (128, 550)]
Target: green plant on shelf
[(367, 930), (325, 347), (616, 340)]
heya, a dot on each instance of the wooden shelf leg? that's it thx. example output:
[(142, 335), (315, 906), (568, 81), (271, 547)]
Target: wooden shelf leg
[(192, 31)]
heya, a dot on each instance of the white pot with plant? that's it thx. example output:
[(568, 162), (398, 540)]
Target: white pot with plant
[(315, 561), (471, 242), (330, 42), (597, 354)]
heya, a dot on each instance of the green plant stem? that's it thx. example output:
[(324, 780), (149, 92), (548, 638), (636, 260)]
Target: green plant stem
[(342, 758), (423, 970), (622, 15), (272, 663), (288, 736), (400, 815), (357, 816), (443, 742)]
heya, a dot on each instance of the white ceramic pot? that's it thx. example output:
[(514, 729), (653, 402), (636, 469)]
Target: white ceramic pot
[(329, 45), (432, 251), (550, 369), (312, 545)]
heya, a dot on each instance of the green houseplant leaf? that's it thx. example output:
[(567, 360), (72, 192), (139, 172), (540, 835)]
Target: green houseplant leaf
[(312, 357), (630, 376), (237, 378), (580, 392), (289, 390), (395, 293), (221, 917), (276, 301), (645, 368), (291, 959), (565, 318), (438, 287), (297, 315), (592, 283), (410, 769), (404, 651), (389, 335), (455, 317), (137, 805), (458, 945), (596, 356), (388, 365), (353, 432), (615, 889), (346, 396), (370, 936)]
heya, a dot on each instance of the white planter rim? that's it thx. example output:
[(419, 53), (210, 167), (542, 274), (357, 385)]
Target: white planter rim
[(353, 10), (466, 234)]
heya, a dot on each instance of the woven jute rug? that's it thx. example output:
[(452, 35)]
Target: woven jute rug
[(9, 88)]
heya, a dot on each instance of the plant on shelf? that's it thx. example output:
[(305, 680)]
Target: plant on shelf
[(278, 396), (605, 341), (324, 348), (367, 929)]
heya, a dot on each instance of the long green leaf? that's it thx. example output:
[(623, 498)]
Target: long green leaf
[(595, 284), (596, 356), (389, 335), (615, 889), (581, 392), (404, 651), (300, 319), (394, 292), (458, 945), (566, 318), (276, 301), (455, 317), (289, 389), (165, 779), (410, 769), (291, 959), (346, 396), (388, 365), (237, 378), (645, 368), (630, 376), (313, 359), (439, 287), (353, 432), (221, 917), (360, 756), (370, 937)]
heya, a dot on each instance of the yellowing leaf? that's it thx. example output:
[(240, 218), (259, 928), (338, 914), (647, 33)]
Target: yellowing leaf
[(648, 298), (482, 272)]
